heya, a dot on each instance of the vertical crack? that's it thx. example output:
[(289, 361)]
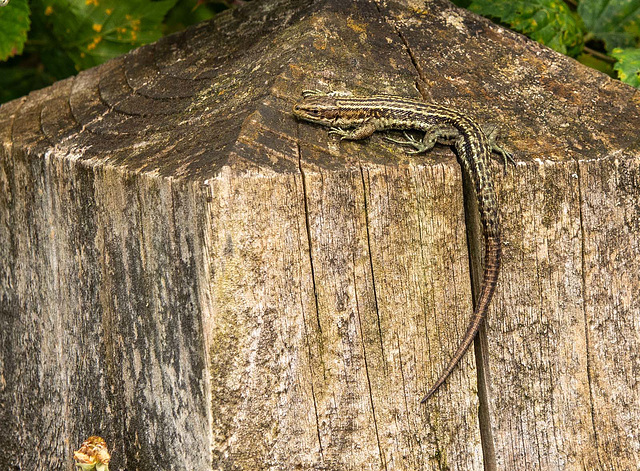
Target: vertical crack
[(315, 296), (308, 228), (366, 369), (373, 277), (420, 83), (375, 300), (584, 311)]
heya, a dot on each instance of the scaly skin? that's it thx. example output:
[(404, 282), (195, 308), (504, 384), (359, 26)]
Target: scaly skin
[(366, 115)]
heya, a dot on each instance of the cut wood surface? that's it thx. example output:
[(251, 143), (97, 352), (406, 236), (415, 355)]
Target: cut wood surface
[(207, 283)]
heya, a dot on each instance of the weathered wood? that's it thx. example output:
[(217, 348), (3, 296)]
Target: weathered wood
[(548, 406), (208, 284)]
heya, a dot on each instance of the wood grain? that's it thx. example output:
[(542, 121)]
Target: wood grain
[(207, 283)]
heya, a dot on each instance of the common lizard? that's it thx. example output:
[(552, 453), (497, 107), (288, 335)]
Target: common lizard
[(365, 115)]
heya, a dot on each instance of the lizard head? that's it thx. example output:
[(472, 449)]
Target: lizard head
[(320, 109)]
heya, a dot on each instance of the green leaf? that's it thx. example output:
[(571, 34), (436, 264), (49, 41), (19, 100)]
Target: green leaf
[(14, 24), (616, 22), (94, 31), (595, 63), (549, 22), (628, 65)]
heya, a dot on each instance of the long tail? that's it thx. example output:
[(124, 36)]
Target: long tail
[(489, 281)]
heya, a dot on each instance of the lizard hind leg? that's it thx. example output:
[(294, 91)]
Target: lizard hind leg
[(423, 145)]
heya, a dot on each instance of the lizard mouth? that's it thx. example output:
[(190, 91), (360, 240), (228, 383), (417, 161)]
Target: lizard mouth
[(309, 114)]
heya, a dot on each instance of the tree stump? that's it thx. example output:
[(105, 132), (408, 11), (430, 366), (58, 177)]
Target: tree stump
[(207, 283)]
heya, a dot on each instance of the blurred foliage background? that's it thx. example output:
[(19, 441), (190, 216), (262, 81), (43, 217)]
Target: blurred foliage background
[(42, 41), (603, 34)]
